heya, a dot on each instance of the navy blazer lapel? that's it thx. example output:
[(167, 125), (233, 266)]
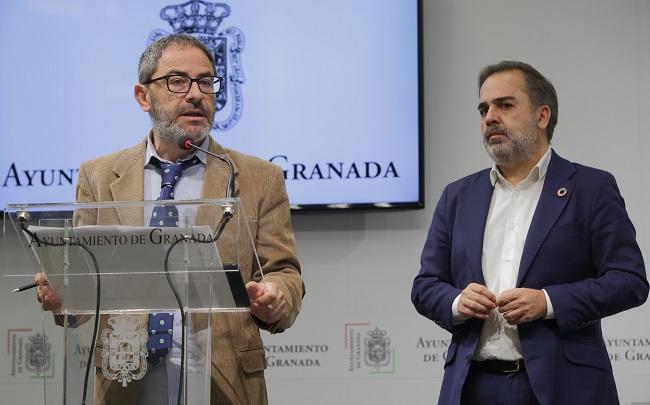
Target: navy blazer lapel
[(474, 204), (549, 208)]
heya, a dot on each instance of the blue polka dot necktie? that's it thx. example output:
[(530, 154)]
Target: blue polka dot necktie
[(161, 325), (160, 328), (170, 173)]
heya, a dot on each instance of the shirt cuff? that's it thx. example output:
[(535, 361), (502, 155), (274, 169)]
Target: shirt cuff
[(550, 314), (456, 317)]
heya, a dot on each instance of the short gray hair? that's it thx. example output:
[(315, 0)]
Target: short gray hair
[(151, 55), (539, 89)]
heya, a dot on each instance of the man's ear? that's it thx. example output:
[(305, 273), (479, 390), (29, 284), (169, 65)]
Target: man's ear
[(543, 116), (141, 93)]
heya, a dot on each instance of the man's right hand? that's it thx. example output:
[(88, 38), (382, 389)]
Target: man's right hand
[(476, 301), (45, 294)]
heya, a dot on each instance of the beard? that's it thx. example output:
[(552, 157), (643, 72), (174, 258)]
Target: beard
[(518, 147), (170, 131)]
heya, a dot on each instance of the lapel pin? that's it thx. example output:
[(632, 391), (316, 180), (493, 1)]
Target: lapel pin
[(561, 192)]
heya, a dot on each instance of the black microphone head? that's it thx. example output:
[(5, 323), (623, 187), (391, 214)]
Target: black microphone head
[(185, 143)]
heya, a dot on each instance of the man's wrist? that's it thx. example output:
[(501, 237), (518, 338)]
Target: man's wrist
[(550, 314)]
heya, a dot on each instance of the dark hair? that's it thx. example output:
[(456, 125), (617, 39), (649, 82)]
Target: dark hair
[(539, 89), (151, 55)]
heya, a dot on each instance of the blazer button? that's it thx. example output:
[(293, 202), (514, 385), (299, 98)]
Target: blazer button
[(468, 359)]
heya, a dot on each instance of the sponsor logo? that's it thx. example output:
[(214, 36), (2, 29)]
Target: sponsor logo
[(334, 170), (202, 19), (368, 349), (30, 354), (288, 356)]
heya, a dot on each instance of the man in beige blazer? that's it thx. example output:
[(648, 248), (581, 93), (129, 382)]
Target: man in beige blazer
[(238, 360)]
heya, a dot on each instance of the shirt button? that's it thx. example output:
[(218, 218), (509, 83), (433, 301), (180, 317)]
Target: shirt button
[(511, 226)]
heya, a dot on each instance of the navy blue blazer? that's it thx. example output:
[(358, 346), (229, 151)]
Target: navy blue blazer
[(581, 248)]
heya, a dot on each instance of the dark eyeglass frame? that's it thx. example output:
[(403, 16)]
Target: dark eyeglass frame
[(216, 80)]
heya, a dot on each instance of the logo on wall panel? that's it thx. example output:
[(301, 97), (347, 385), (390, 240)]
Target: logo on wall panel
[(368, 348), (38, 354), (377, 346), (124, 356), (201, 19), (29, 355)]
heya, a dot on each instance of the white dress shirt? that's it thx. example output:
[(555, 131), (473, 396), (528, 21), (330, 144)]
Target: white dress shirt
[(511, 212)]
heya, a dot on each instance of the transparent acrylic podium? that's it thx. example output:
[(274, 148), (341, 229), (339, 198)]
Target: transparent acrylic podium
[(111, 272)]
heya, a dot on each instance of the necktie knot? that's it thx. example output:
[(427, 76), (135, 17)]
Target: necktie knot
[(170, 173)]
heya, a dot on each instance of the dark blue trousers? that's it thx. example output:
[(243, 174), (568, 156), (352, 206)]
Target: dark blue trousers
[(482, 388)]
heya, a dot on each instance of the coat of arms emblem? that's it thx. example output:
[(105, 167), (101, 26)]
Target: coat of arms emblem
[(38, 353), (377, 346), (201, 19), (124, 356)]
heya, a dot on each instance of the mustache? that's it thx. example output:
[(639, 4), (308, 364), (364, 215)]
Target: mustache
[(192, 107), (495, 129)]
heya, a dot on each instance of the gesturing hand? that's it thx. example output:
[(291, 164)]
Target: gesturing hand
[(45, 294), (267, 301)]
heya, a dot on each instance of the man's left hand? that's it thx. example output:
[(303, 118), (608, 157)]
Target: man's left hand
[(267, 301), (521, 305)]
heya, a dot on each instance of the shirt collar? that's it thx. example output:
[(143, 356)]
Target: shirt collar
[(151, 151), (538, 172)]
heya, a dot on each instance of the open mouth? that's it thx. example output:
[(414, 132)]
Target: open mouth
[(195, 114)]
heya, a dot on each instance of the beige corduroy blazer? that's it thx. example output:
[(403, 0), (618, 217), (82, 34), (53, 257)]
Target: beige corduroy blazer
[(237, 354)]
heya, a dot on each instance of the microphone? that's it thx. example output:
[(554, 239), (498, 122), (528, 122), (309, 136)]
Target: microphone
[(185, 143)]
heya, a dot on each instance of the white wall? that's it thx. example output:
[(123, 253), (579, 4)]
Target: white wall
[(358, 267)]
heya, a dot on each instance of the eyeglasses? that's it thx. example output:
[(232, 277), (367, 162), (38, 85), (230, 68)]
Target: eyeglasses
[(183, 84)]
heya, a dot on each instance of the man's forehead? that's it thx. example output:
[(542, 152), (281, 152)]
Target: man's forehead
[(503, 85), (183, 58)]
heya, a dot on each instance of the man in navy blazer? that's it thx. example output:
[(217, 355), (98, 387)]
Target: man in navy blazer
[(523, 260)]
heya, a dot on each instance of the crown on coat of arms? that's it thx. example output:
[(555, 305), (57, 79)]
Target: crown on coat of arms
[(195, 16), (376, 333), (38, 339), (126, 323)]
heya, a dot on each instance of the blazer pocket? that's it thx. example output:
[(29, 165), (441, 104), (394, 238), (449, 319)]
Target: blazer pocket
[(252, 360), (573, 228), (586, 355)]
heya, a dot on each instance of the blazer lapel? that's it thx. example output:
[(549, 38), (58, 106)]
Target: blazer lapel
[(215, 184), (549, 208), (474, 203), (129, 184)]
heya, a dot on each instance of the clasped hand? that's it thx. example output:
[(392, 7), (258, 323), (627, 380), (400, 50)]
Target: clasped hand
[(517, 305)]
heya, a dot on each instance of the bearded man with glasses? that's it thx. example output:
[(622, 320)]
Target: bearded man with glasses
[(177, 86)]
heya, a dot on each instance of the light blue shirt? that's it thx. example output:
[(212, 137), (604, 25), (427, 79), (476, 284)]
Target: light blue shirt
[(188, 187)]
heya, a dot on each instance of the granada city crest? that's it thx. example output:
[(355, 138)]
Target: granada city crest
[(377, 346), (202, 20), (124, 356), (38, 353)]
